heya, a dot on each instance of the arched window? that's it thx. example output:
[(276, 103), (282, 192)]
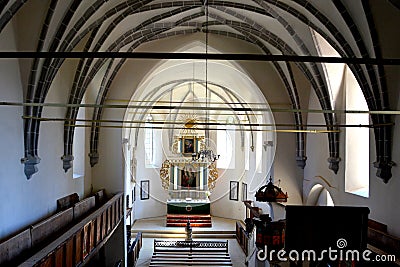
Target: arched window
[(149, 142), (357, 140), (226, 145), (247, 151), (259, 150), (78, 148), (339, 77), (259, 144)]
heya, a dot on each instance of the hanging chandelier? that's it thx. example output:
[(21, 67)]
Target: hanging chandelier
[(206, 154)]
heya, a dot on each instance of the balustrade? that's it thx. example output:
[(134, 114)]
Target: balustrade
[(53, 242)]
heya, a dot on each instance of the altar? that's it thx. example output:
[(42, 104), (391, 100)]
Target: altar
[(189, 179), (185, 207), (180, 211)]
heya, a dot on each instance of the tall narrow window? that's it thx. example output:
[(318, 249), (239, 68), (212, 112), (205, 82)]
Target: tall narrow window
[(149, 142), (357, 140), (78, 148), (247, 151), (339, 77), (334, 72), (259, 152), (226, 145)]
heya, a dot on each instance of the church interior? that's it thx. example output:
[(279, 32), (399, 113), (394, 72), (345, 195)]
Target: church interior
[(163, 132)]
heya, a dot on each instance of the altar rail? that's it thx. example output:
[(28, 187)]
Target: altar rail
[(190, 246), (190, 253), (184, 194), (62, 241)]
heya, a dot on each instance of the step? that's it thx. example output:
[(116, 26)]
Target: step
[(192, 223), (177, 220), (196, 256), (189, 216), (192, 220), (185, 221), (188, 260), (196, 253), (198, 233), (181, 230), (183, 224), (176, 264), (177, 224), (184, 263)]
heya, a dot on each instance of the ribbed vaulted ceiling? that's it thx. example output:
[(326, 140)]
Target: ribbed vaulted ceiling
[(279, 27)]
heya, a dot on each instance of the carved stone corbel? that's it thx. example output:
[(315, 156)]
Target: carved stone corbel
[(30, 163), (67, 162)]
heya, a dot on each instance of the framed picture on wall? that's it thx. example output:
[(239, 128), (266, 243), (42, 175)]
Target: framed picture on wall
[(189, 177), (234, 191), (244, 191), (189, 145), (144, 189)]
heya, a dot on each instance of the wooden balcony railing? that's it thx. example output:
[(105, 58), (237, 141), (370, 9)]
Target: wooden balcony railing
[(134, 249), (78, 242)]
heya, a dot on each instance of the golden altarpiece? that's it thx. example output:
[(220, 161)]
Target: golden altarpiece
[(189, 178)]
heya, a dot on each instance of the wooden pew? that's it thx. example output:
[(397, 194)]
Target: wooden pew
[(75, 248), (67, 202), (100, 197), (379, 238), (83, 207), (17, 245), (51, 226), (79, 243)]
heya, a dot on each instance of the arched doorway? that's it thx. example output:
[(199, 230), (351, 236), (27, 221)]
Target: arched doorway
[(319, 196)]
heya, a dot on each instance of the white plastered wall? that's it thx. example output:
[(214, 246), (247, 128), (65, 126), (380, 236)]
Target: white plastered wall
[(30, 200), (383, 197)]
